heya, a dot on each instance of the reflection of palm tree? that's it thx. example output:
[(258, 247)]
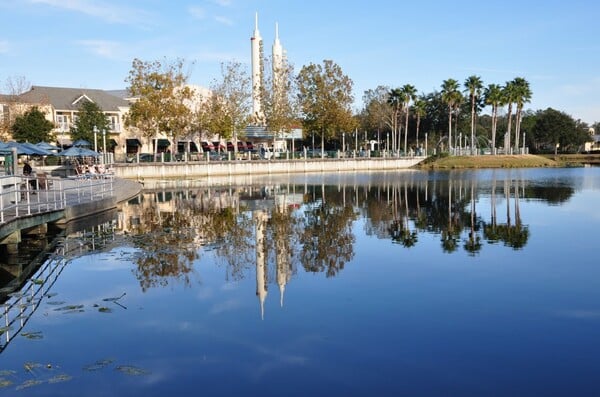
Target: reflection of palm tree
[(473, 243)]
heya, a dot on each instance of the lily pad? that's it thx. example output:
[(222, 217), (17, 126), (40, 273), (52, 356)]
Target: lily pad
[(5, 383), (69, 308), (55, 303), (30, 366), (60, 378), (105, 310), (38, 281), (7, 372), (32, 335), (132, 370), (114, 299), (98, 365), (29, 383), (4, 329)]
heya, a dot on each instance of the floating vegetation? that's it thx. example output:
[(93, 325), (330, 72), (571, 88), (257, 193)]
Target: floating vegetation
[(60, 378), (7, 372), (131, 370), (51, 294), (5, 383), (29, 383), (105, 310), (32, 335), (38, 281), (56, 303), (70, 309), (30, 366), (5, 329), (114, 299), (98, 365)]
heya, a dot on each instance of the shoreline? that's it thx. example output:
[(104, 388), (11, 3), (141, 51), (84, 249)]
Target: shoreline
[(508, 161)]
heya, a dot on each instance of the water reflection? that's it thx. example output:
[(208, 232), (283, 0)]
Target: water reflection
[(280, 227)]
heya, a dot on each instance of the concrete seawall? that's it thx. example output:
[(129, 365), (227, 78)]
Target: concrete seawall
[(256, 167)]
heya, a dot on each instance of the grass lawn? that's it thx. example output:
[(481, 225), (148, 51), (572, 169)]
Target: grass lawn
[(488, 161)]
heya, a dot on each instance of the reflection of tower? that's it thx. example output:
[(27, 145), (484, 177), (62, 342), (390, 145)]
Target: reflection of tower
[(260, 217), (282, 253), (256, 55)]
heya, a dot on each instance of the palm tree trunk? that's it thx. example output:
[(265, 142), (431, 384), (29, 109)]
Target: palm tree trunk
[(450, 128), (406, 131), (509, 127), (494, 125), (472, 125)]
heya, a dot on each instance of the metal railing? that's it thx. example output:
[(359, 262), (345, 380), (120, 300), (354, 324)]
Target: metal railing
[(25, 196)]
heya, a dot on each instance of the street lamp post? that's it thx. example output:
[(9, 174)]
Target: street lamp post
[(95, 139), (104, 145), (343, 142)]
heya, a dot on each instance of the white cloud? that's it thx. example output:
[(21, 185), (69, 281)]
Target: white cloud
[(197, 12), (224, 20), (4, 47), (222, 3), (102, 48), (109, 12)]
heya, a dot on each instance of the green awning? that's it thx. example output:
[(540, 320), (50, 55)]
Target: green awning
[(133, 142), (163, 142)]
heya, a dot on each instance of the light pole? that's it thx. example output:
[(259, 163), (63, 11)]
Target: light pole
[(104, 145), (95, 139), (425, 144), (343, 142), (387, 142)]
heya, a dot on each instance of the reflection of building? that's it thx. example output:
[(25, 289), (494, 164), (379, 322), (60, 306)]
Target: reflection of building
[(260, 218)]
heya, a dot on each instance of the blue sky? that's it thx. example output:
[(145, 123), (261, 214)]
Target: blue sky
[(91, 43)]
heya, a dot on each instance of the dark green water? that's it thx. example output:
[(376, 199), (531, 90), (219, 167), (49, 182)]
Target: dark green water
[(473, 283)]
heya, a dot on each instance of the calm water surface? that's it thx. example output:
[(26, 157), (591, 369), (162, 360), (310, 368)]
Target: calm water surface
[(472, 283)]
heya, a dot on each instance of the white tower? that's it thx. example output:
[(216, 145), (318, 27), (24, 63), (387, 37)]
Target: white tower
[(277, 51), (256, 48)]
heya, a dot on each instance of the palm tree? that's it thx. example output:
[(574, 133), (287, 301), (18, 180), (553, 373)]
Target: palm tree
[(494, 98), (509, 94), (419, 107), (395, 101), (409, 93), (522, 96), (473, 84), (449, 90)]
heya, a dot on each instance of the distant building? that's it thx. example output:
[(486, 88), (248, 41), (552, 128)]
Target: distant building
[(593, 144)]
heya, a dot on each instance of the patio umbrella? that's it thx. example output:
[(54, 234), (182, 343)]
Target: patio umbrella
[(47, 146), (76, 151), (82, 143), (27, 149)]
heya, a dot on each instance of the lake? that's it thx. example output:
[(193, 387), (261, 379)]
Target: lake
[(465, 283)]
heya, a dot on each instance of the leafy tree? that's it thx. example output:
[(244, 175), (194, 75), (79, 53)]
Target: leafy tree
[(474, 85), (229, 111), (325, 96), (161, 94), (278, 99), (555, 129), (90, 116), (14, 86), (377, 115), (32, 127)]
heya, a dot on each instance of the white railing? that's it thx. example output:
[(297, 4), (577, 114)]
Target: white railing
[(25, 196)]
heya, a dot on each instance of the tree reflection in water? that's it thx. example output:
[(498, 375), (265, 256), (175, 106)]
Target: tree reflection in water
[(284, 226)]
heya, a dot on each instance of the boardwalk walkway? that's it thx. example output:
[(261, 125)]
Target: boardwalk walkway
[(19, 201)]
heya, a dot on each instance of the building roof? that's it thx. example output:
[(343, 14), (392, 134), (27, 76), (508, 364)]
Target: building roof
[(70, 98)]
